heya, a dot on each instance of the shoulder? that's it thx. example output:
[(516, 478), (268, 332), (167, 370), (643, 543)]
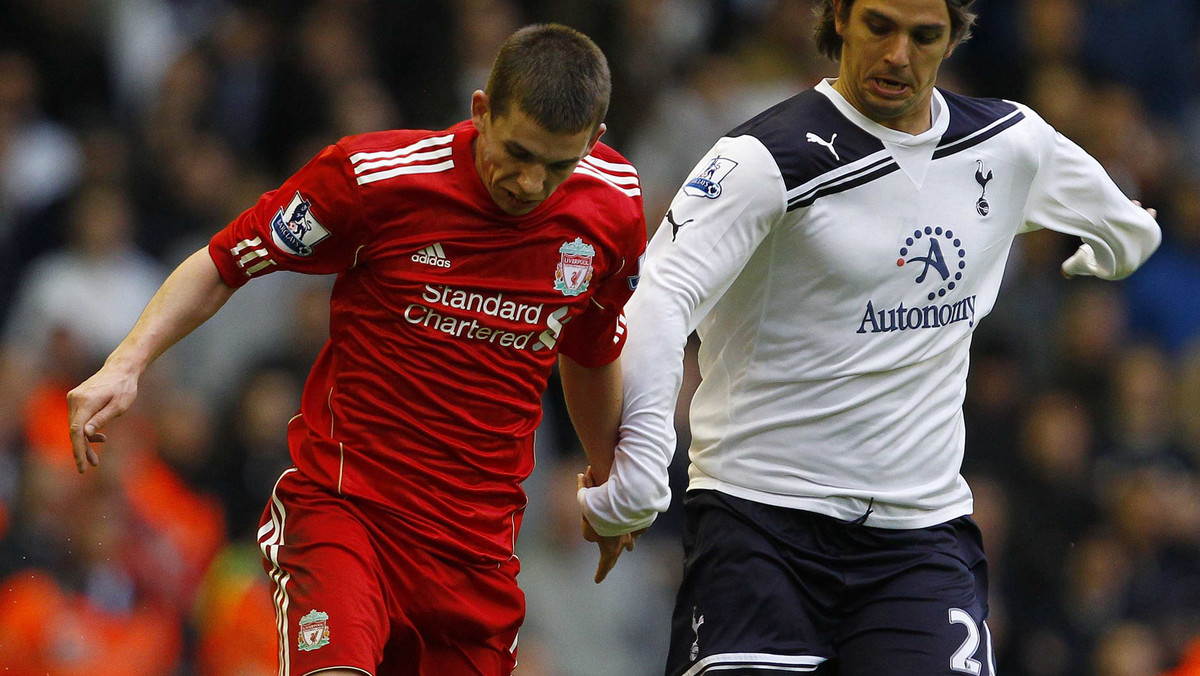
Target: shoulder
[(606, 194), (396, 142), (381, 155), (607, 175), (975, 120), (807, 137)]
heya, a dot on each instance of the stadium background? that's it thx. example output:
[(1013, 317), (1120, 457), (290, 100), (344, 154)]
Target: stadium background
[(131, 130)]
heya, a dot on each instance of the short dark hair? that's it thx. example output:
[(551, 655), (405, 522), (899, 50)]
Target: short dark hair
[(829, 42), (554, 74)]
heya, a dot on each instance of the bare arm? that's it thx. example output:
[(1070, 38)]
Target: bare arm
[(593, 398), (192, 294)]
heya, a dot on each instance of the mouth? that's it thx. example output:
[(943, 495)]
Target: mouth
[(515, 201), (889, 87)]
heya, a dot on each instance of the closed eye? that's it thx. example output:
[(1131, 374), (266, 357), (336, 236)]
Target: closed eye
[(927, 37)]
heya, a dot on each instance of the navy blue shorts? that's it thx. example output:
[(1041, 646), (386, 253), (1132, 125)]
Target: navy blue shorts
[(770, 590)]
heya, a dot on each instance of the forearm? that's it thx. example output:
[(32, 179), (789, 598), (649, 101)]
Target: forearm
[(652, 370), (1074, 195), (191, 294), (593, 397)]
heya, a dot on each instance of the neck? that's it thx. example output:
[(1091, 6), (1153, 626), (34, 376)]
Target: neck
[(913, 122)]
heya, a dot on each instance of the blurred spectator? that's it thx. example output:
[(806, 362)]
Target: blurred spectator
[(253, 453), (1164, 296), (1091, 333), (94, 288), (39, 166), (65, 38), (235, 617), (590, 629), (1157, 54), (1128, 650)]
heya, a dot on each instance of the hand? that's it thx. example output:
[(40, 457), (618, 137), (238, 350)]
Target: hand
[(94, 404), (1153, 212), (1083, 261), (610, 547)]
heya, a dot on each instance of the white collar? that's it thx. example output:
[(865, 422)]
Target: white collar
[(940, 121)]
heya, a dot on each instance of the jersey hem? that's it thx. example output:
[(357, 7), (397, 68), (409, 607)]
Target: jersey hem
[(843, 508)]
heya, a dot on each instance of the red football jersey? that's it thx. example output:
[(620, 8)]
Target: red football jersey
[(446, 319)]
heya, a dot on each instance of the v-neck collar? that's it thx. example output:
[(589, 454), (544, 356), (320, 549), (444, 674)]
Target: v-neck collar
[(913, 152)]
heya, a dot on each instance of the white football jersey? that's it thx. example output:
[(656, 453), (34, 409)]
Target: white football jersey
[(835, 270)]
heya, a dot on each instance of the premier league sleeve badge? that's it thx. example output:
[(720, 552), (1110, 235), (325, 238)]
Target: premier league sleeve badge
[(708, 183), (294, 228)]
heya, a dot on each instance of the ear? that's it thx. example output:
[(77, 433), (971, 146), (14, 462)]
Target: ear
[(599, 132), (838, 24), (480, 110)]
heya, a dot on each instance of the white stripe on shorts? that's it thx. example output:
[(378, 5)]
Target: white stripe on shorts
[(270, 549), (764, 662)]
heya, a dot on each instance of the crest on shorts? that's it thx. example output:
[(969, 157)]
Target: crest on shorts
[(314, 631), (574, 267)]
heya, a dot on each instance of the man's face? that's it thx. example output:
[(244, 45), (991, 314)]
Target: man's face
[(519, 162), (891, 53)]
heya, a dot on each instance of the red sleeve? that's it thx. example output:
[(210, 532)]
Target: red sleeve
[(312, 224), (596, 336)]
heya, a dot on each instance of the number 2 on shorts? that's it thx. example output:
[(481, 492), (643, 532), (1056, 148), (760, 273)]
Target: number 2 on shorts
[(961, 660)]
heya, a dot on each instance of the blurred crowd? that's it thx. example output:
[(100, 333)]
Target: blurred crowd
[(132, 130)]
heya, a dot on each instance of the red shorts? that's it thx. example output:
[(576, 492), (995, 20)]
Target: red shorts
[(349, 593)]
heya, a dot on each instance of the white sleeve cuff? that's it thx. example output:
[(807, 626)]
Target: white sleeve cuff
[(599, 510)]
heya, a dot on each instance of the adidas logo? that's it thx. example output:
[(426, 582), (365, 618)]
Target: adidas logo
[(432, 255)]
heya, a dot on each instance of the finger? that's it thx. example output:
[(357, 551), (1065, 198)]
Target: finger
[(92, 433), (1153, 213), (111, 410), (608, 559), (80, 413), (79, 448), (579, 483)]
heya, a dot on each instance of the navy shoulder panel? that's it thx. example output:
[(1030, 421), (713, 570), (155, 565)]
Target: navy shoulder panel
[(973, 121), (808, 136)]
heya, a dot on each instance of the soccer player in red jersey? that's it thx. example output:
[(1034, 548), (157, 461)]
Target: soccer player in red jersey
[(469, 260)]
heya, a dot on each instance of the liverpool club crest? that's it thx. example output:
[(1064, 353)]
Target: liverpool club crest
[(574, 267), (314, 631)]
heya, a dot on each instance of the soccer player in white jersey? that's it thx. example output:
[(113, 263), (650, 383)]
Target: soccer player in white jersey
[(835, 254)]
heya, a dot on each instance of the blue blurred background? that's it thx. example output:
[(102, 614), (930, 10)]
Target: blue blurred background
[(132, 130)]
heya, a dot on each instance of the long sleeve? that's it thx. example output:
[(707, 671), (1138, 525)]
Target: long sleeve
[(715, 224), (1072, 194)]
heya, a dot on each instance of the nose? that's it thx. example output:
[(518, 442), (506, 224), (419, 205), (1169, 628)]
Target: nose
[(532, 179), (898, 49)]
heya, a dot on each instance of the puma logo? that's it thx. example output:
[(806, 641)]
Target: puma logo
[(813, 138), (676, 226)]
